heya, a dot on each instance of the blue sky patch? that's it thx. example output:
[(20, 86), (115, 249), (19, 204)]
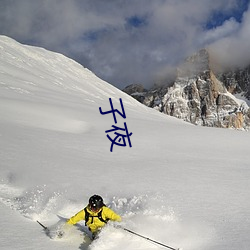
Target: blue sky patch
[(136, 21), (219, 17)]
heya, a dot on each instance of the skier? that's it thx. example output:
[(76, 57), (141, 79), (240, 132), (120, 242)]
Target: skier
[(95, 214)]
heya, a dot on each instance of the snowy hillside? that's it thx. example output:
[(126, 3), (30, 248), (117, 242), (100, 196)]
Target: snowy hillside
[(179, 184)]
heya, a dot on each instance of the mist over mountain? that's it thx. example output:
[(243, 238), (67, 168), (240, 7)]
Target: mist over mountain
[(203, 92)]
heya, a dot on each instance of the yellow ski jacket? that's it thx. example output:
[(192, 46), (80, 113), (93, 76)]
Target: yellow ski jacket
[(94, 223)]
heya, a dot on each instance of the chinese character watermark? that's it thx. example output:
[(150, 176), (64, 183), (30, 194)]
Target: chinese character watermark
[(119, 137)]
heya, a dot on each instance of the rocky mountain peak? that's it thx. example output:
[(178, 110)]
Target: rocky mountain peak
[(200, 96), (196, 64)]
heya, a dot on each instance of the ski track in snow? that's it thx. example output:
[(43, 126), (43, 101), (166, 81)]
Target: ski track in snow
[(145, 214)]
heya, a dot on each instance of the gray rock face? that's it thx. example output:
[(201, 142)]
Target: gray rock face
[(237, 81), (200, 97)]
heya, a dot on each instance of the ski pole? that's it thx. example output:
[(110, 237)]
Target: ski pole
[(45, 228), (146, 238)]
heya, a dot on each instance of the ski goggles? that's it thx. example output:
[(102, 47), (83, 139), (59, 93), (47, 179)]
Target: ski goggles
[(94, 208)]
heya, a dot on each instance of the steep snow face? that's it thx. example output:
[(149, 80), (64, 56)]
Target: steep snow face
[(179, 184), (38, 74)]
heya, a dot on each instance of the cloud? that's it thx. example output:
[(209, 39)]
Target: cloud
[(121, 41), (233, 49), (228, 28)]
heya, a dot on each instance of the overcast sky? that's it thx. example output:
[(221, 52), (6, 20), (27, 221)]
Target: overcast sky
[(131, 41)]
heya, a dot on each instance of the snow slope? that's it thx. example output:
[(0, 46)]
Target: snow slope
[(179, 184)]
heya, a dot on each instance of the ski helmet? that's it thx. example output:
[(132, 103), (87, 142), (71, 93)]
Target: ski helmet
[(95, 202)]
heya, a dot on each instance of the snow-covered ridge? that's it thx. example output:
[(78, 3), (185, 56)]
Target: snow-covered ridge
[(33, 74), (34, 66)]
